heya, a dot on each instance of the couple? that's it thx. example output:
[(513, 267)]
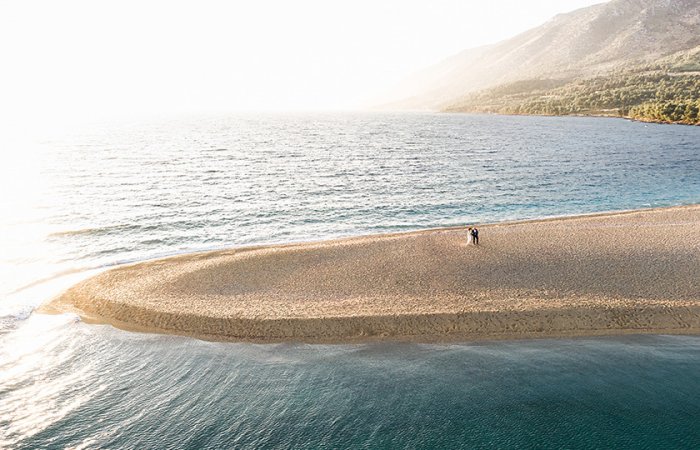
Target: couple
[(473, 236)]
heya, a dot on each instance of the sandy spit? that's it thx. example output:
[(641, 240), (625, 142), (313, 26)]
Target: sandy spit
[(617, 273)]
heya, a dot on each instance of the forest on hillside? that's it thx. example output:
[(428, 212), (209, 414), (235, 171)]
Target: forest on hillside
[(654, 94)]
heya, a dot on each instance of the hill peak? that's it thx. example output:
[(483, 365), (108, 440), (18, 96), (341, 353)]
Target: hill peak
[(590, 41)]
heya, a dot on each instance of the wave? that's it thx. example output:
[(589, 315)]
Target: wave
[(52, 277), (92, 231), (109, 230)]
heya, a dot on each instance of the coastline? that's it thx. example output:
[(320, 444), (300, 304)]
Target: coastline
[(627, 272), (601, 115)]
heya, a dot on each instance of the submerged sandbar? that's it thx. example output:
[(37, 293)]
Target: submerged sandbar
[(629, 272)]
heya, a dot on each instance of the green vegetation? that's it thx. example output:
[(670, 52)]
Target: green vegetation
[(654, 94)]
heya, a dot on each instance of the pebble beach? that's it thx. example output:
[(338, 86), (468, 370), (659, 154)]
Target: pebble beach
[(604, 274)]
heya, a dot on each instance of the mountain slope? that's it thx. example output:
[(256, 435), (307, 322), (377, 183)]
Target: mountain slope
[(588, 42)]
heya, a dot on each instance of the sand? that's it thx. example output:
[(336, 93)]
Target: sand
[(630, 272)]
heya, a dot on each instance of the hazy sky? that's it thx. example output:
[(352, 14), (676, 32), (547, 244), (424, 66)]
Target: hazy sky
[(94, 58)]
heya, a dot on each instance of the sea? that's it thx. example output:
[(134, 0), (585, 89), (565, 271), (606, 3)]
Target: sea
[(77, 203)]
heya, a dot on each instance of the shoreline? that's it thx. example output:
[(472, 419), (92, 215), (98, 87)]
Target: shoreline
[(602, 116), (425, 285)]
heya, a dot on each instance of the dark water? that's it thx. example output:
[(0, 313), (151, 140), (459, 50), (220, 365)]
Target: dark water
[(110, 389), (115, 195)]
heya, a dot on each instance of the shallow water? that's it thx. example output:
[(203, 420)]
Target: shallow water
[(120, 194)]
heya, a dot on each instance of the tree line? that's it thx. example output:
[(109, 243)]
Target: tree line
[(654, 95)]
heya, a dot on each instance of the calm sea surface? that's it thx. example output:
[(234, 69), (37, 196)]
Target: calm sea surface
[(78, 204)]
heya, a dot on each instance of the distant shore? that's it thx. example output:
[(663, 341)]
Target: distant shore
[(593, 114), (636, 119), (602, 274)]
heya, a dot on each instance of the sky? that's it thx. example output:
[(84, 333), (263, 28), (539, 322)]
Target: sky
[(80, 60)]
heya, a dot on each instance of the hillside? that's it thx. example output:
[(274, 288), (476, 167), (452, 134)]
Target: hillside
[(571, 56), (668, 92)]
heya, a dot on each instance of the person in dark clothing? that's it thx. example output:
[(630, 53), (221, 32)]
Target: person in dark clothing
[(475, 236)]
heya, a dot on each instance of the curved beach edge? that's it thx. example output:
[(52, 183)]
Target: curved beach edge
[(630, 272), (425, 328)]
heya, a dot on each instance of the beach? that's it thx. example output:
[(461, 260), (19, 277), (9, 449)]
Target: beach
[(604, 274)]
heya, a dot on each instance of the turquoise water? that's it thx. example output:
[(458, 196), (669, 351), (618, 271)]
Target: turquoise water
[(121, 390), (119, 194)]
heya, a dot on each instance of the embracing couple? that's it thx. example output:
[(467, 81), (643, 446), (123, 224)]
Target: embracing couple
[(473, 236)]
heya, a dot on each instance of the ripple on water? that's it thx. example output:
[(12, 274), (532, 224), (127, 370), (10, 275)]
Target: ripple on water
[(172, 187)]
